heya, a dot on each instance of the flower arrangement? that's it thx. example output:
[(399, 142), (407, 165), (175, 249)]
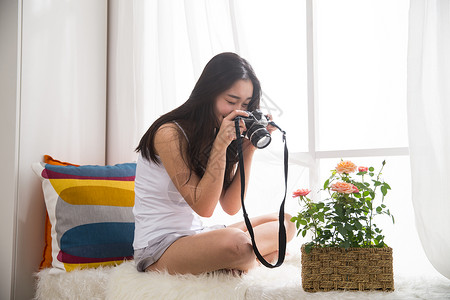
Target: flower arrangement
[(345, 218)]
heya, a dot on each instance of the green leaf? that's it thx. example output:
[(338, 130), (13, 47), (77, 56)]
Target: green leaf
[(325, 185), (303, 233), (348, 227), (379, 209), (303, 222), (371, 169), (342, 231), (321, 216), (346, 244), (384, 190), (339, 210)]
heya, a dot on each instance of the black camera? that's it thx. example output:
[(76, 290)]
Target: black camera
[(256, 132)]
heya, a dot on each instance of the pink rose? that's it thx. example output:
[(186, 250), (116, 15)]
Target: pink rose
[(345, 166), (363, 169), (344, 188), (300, 192)]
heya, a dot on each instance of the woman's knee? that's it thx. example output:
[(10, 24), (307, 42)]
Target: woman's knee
[(237, 246), (290, 226)]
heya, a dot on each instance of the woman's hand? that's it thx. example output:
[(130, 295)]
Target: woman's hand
[(269, 127), (227, 130)]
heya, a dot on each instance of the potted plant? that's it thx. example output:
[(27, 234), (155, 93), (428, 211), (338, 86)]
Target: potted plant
[(347, 250)]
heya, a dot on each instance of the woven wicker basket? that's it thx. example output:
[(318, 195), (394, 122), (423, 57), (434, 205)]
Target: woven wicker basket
[(359, 269)]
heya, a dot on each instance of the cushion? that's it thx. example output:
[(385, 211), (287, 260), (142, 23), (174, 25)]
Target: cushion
[(90, 213)]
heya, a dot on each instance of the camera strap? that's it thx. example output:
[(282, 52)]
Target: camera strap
[(282, 229)]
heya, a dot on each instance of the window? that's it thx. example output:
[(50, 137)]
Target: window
[(337, 70), (361, 51)]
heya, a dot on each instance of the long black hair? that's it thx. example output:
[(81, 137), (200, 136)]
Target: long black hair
[(196, 116)]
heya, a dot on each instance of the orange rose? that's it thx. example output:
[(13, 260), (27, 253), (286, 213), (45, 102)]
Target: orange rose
[(344, 188), (345, 166)]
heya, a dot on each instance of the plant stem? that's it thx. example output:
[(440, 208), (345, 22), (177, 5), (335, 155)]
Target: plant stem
[(314, 222), (371, 210)]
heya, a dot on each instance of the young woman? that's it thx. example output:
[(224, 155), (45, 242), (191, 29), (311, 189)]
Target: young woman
[(188, 164)]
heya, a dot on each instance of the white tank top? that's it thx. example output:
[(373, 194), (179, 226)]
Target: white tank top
[(159, 209)]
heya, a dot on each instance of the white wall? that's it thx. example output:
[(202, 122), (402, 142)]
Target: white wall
[(60, 111), (9, 139)]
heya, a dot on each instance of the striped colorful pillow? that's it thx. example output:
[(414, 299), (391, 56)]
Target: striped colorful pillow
[(90, 212)]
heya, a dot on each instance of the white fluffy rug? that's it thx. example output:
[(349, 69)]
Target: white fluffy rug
[(124, 282)]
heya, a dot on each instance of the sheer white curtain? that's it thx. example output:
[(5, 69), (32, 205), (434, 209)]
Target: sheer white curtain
[(157, 50), (429, 126)]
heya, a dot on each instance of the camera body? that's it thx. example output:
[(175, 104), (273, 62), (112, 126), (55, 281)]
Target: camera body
[(256, 132)]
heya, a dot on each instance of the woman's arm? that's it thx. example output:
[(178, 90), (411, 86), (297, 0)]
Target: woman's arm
[(202, 194), (231, 197)]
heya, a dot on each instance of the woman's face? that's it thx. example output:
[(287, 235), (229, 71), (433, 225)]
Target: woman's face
[(235, 98)]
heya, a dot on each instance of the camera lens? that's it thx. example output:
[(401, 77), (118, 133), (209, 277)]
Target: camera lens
[(263, 142), (259, 136)]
